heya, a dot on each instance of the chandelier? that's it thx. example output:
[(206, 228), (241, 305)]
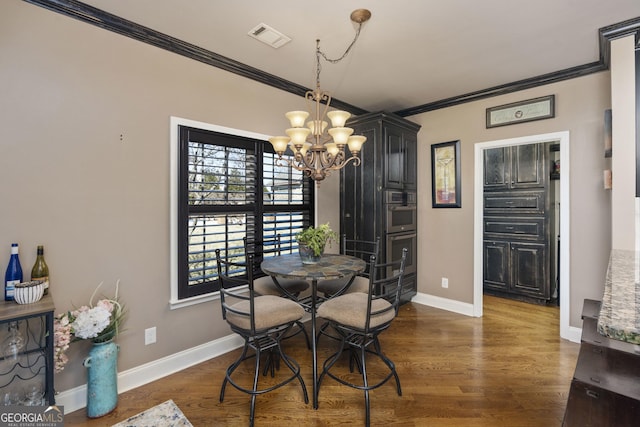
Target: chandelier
[(317, 151)]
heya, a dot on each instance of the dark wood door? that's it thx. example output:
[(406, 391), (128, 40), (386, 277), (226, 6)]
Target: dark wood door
[(410, 161), (529, 267), (496, 168), (496, 265), (527, 167), (394, 157)]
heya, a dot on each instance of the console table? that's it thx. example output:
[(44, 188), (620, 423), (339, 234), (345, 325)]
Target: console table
[(605, 390), (35, 324)]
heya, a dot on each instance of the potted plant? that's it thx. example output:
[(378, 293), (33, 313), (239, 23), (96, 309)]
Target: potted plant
[(312, 241)]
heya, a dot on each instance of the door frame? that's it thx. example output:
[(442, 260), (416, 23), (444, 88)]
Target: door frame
[(563, 139)]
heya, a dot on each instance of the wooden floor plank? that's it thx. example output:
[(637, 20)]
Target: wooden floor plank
[(508, 368)]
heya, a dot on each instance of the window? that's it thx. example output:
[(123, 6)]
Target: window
[(229, 186)]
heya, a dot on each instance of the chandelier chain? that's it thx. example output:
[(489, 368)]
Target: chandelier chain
[(320, 53)]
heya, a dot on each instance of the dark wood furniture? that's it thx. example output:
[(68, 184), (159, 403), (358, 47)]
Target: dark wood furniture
[(518, 247), (605, 390), (35, 361), (389, 163)]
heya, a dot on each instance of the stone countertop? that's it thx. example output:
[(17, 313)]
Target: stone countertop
[(620, 311)]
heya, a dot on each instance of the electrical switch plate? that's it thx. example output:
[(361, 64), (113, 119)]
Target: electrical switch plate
[(445, 282)]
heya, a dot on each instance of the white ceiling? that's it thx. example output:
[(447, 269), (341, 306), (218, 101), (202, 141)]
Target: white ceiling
[(411, 52)]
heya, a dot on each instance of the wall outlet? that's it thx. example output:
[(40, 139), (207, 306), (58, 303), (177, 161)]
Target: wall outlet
[(150, 336), (445, 282)]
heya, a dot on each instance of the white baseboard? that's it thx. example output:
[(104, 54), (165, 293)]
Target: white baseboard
[(76, 398), (572, 334), (443, 303)]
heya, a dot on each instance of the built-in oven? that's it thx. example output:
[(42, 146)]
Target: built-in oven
[(401, 212), (401, 227), (399, 241)]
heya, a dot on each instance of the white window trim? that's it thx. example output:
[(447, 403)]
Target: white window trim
[(174, 158)]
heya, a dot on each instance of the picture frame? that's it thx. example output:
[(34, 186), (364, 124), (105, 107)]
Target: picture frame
[(608, 130), (445, 175), (522, 111)]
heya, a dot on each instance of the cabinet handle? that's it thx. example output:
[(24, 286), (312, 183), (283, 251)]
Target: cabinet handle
[(593, 394), (595, 379), (509, 202), (508, 228)]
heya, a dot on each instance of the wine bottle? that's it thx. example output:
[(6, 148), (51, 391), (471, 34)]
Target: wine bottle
[(40, 270), (13, 276)]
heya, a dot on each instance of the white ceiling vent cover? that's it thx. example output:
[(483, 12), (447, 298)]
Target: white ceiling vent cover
[(268, 35)]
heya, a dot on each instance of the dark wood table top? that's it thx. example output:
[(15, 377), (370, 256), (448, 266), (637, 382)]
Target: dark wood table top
[(330, 266)]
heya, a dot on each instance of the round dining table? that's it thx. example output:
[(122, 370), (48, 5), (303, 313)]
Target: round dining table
[(330, 266)]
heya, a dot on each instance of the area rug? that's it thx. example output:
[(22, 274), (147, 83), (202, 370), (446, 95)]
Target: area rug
[(166, 414)]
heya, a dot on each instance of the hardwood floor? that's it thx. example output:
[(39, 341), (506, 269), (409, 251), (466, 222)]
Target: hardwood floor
[(508, 368)]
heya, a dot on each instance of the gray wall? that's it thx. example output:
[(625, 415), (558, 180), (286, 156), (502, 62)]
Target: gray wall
[(446, 235), (84, 170)]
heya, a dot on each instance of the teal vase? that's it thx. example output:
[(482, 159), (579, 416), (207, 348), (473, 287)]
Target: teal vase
[(102, 382)]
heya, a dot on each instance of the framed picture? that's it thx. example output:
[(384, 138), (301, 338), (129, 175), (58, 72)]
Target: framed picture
[(445, 175), (608, 143), (523, 111)]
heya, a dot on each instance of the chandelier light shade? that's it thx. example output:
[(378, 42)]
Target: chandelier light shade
[(317, 148)]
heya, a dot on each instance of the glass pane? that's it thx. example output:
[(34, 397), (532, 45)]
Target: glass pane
[(220, 175), (208, 233), (283, 185), (287, 225)]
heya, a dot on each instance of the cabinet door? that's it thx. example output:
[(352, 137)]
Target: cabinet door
[(496, 265), (529, 263), (410, 161), (527, 166), (359, 197), (497, 168), (394, 157)]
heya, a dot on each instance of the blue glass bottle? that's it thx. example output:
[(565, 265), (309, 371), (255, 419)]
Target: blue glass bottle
[(13, 276)]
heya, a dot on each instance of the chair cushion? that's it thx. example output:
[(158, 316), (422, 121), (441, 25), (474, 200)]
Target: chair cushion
[(270, 311), (351, 310), (265, 286), (331, 287)]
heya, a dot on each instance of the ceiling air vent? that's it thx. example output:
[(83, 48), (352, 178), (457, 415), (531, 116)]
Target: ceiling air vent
[(268, 35)]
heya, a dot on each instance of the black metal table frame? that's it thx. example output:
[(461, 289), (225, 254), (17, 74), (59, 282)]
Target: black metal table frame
[(331, 266)]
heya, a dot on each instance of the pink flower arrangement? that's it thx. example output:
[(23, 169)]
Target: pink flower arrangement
[(99, 323)]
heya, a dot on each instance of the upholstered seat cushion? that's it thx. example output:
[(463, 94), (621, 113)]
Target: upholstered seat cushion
[(332, 286), (266, 286), (270, 311), (351, 310)]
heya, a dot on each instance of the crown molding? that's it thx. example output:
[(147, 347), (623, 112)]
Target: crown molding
[(100, 18), (94, 16), (606, 35)]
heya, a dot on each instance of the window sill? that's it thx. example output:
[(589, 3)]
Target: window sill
[(181, 303)]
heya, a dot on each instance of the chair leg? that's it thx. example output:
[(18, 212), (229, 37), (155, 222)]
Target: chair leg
[(389, 363), (256, 375), (233, 368), (365, 385), (296, 370)]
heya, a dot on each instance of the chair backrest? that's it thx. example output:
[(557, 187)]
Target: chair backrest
[(230, 281), (385, 282), (261, 248), (362, 249)]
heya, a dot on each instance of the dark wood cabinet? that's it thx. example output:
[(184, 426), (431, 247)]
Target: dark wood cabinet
[(518, 222), (400, 150), (605, 390), (508, 168), (389, 163)]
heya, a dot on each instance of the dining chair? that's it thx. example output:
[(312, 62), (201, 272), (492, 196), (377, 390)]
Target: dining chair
[(268, 285), (262, 321), (362, 249), (359, 319)]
